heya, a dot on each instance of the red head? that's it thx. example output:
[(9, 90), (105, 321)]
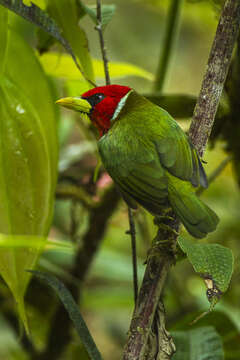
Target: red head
[(100, 103), (104, 101)]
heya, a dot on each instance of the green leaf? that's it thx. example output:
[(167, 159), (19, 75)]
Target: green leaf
[(213, 262), (73, 311), (40, 3), (40, 18), (61, 66), (40, 96), (202, 343), (28, 164), (107, 12), (31, 241), (66, 15), (3, 37)]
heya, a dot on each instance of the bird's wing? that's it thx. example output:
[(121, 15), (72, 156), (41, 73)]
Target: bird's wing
[(176, 153), (136, 171)]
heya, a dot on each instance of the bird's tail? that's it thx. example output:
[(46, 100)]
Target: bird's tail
[(197, 217)]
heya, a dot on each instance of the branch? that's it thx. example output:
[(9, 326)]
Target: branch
[(102, 43), (162, 253), (217, 69)]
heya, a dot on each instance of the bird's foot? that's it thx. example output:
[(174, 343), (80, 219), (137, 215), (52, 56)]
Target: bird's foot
[(166, 216), (167, 228)]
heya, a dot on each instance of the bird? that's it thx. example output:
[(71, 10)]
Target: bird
[(149, 157)]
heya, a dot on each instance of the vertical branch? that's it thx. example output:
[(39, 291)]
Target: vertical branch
[(102, 43), (216, 72), (162, 253), (169, 41)]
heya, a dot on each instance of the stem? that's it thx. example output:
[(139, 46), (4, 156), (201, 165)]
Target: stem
[(102, 43), (162, 253), (132, 233), (169, 41)]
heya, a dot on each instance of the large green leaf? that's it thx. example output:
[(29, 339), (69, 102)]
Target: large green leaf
[(65, 13), (28, 162), (3, 37), (213, 262), (39, 95), (202, 343)]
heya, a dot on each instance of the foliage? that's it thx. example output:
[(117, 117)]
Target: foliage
[(55, 53)]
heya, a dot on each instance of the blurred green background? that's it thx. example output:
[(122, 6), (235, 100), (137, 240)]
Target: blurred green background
[(135, 35)]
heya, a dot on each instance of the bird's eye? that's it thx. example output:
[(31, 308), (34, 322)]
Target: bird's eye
[(100, 96), (95, 99)]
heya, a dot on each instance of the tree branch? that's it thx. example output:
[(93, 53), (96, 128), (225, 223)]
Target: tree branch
[(162, 253), (102, 43), (216, 72)]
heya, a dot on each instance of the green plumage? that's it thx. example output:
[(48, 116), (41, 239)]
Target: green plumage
[(153, 163)]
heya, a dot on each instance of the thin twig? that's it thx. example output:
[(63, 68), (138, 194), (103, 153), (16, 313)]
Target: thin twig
[(160, 260), (132, 233), (169, 41), (102, 43)]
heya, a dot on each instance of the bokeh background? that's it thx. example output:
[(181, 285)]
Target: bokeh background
[(135, 35)]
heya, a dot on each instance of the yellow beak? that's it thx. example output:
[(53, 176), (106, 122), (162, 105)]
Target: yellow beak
[(75, 103)]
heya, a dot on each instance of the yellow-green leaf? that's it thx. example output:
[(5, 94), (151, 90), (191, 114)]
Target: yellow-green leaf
[(62, 66), (213, 262), (15, 258), (40, 96), (66, 15), (39, 3)]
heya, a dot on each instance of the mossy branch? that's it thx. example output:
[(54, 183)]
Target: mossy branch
[(215, 75)]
